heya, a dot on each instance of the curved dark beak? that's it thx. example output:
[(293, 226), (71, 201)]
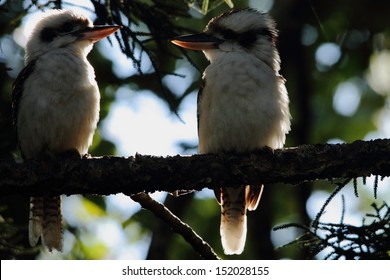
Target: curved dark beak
[(200, 41), (97, 32)]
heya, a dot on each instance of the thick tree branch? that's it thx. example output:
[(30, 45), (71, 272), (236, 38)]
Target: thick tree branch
[(110, 175)]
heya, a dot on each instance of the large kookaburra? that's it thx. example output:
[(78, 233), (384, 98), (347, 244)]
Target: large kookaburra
[(242, 106), (55, 102)]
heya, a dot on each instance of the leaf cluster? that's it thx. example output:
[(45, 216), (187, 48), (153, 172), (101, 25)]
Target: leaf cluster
[(340, 240)]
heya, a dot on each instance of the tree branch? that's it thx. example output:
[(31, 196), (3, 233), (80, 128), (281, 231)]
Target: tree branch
[(159, 210), (110, 175)]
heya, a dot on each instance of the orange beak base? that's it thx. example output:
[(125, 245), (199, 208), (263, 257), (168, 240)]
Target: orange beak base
[(98, 32), (198, 42)]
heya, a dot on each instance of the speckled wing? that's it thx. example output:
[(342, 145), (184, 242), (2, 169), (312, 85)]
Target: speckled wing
[(17, 91), (199, 100)]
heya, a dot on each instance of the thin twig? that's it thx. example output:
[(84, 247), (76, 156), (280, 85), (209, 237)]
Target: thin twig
[(160, 211)]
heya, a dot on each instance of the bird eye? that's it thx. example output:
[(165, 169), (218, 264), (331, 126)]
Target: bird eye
[(48, 34), (229, 34), (66, 27), (247, 39)]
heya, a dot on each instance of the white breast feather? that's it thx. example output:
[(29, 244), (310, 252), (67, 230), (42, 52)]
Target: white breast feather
[(244, 106), (61, 115)]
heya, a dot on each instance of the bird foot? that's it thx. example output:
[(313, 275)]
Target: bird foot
[(178, 193)]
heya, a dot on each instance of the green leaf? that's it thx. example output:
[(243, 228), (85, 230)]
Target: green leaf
[(229, 3), (93, 208), (205, 6)]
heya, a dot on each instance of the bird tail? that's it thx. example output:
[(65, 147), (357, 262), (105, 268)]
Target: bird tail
[(46, 222), (35, 227), (234, 203)]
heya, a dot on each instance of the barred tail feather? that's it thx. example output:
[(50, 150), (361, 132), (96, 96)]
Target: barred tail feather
[(35, 227), (233, 235), (52, 228), (233, 220)]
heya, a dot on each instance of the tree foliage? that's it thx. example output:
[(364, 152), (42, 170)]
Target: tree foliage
[(333, 56), (369, 241)]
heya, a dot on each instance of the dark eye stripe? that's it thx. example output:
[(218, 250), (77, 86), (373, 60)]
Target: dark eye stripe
[(48, 34), (248, 38), (245, 39), (66, 27), (229, 34)]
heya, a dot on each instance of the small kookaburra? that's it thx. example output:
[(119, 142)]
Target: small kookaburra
[(242, 106), (55, 104)]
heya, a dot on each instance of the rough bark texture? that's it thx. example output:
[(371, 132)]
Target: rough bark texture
[(110, 175)]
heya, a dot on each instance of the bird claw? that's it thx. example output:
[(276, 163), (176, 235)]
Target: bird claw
[(70, 154), (178, 193)]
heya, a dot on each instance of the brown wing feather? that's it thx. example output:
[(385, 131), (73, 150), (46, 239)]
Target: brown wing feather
[(199, 100), (17, 92), (253, 195)]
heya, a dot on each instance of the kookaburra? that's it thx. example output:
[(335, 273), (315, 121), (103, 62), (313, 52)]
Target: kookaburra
[(55, 104), (242, 106)]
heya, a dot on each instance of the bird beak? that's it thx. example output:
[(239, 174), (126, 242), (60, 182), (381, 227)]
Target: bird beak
[(198, 42), (97, 32)]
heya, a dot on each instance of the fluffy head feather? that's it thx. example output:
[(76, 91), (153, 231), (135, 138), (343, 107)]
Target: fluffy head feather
[(247, 31)]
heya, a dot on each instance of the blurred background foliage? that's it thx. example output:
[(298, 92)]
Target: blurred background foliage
[(335, 57)]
